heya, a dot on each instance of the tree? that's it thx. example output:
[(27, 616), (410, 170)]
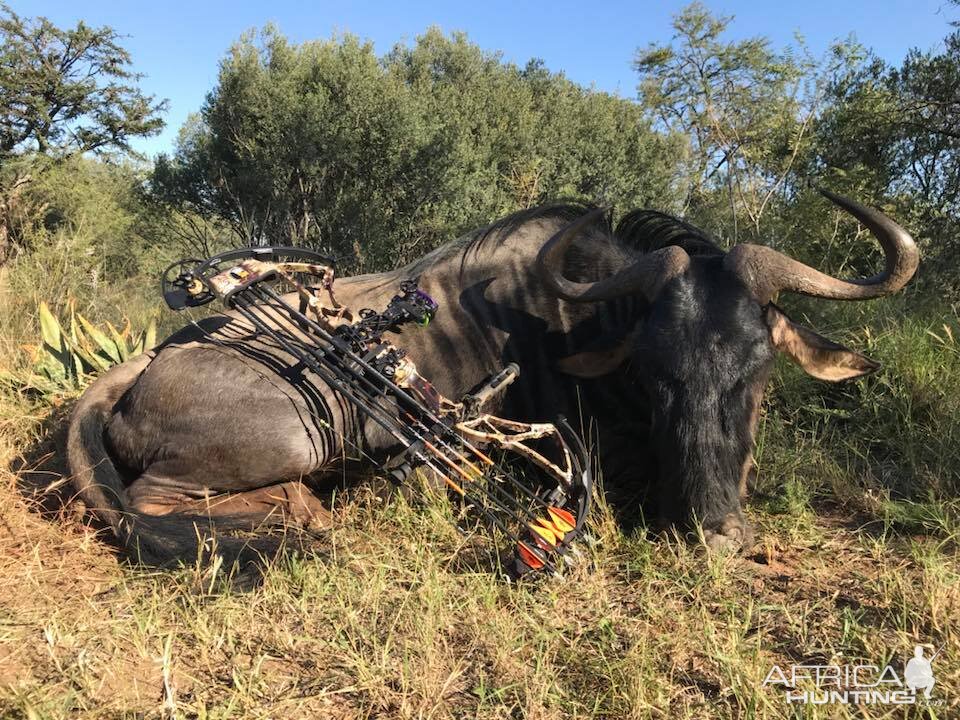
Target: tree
[(68, 91), (63, 93), (927, 86), (892, 134), (746, 109), (312, 144)]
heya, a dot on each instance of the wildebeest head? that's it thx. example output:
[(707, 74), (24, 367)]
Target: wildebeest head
[(704, 347)]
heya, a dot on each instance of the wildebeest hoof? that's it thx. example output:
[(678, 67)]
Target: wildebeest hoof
[(732, 535)]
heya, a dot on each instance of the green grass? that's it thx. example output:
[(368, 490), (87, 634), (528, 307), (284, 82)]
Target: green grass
[(892, 436)]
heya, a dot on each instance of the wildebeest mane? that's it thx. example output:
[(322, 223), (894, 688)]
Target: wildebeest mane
[(650, 230), (503, 228)]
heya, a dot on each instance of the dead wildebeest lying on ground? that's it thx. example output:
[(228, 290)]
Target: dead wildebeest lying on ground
[(652, 331)]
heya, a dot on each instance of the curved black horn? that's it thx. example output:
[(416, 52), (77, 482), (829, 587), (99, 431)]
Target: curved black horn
[(647, 275), (767, 272)]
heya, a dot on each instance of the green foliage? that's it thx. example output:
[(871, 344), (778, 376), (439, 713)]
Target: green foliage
[(68, 91), (98, 201), (325, 144), (894, 133), (72, 349), (312, 143), (63, 94), (90, 235), (744, 108), (383, 157), (891, 437), (95, 211)]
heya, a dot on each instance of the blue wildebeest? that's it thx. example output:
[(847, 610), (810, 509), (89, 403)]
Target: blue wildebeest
[(659, 337)]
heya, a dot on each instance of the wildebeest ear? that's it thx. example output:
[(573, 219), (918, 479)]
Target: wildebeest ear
[(818, 356), (595, 363)]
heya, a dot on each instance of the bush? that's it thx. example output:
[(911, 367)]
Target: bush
[(382, 159), (91, 239)]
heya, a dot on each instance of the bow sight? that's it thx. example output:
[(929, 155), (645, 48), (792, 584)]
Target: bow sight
[(530, 481)]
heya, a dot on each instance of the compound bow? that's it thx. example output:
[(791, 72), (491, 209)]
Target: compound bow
[(450, 438)]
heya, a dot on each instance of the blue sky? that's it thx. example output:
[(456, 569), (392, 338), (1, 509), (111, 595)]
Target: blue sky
[(178, 44)]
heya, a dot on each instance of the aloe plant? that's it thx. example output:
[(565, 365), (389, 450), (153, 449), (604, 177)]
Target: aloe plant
[(72, 350)]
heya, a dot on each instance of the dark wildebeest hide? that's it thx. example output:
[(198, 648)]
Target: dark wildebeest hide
[(652, 333)]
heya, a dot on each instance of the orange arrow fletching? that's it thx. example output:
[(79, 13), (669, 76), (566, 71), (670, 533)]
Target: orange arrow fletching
[(563, 520), (529, 556)]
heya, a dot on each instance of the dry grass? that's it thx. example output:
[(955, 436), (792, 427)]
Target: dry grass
[(384, 619)]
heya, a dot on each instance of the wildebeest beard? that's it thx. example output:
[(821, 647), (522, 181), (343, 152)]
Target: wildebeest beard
[(703, 346)]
